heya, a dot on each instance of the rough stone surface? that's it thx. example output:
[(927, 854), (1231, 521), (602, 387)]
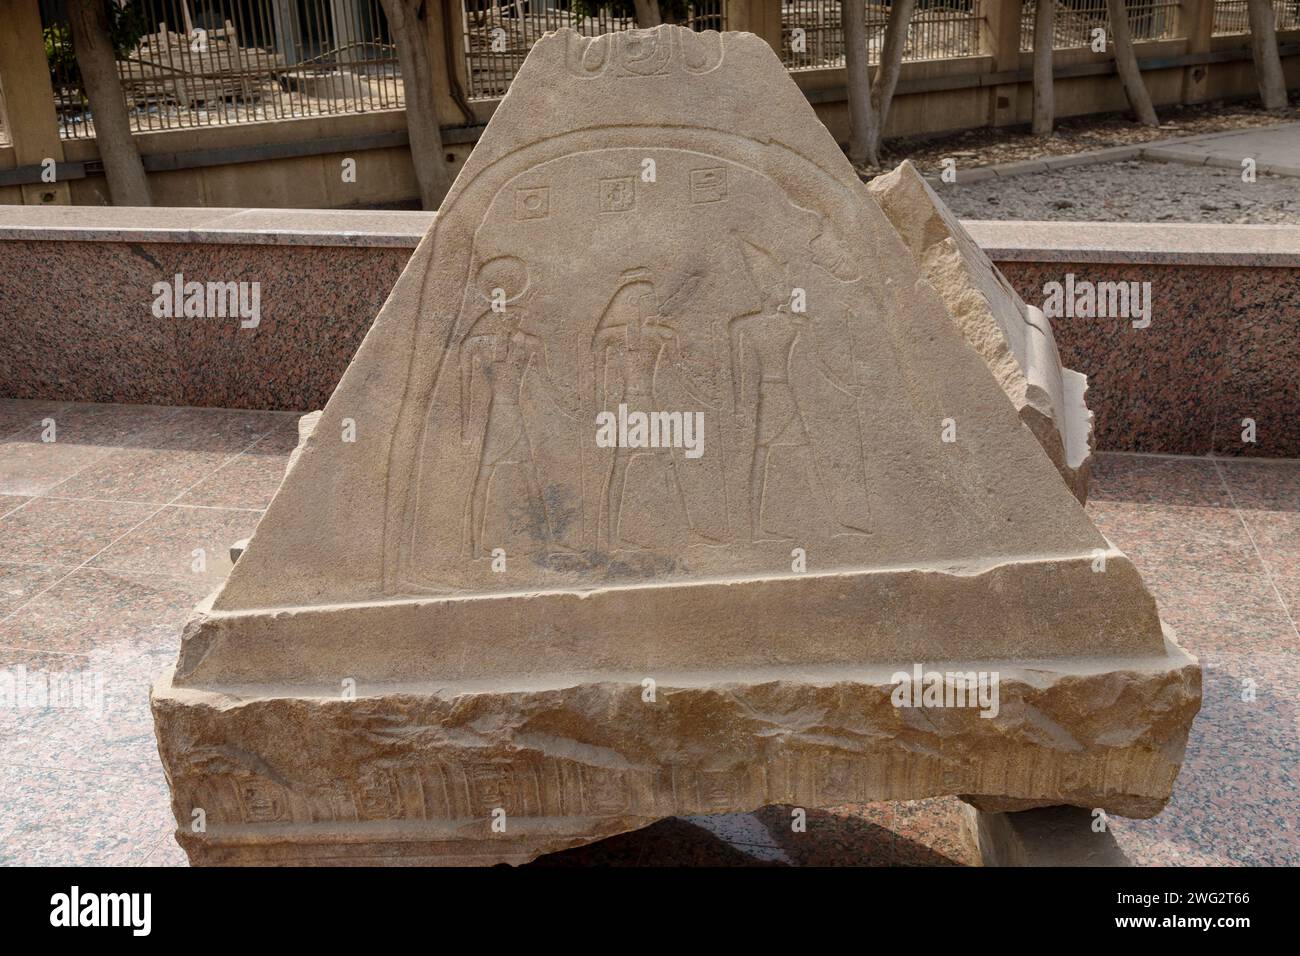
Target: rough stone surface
[(1014, 338), (306, 425), (465, 631)]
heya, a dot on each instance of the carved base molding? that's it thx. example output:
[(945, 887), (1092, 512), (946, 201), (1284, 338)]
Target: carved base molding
[(480, 776)]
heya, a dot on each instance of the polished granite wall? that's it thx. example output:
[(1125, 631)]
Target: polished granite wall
[(1223, 344), (79, 326)]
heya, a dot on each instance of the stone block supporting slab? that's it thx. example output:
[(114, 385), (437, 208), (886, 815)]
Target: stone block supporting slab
[(1048, 836)]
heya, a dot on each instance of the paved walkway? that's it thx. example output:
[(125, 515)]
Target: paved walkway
[(1275, 149), (1147, 182), (98, 534)]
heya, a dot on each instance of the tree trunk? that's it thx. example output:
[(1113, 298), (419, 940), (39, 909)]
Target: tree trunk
[(891, 65), (406, 22), (1126, 62), (1044, 95), (1263, 47), (863, 133), (127, 183), (647, 13)]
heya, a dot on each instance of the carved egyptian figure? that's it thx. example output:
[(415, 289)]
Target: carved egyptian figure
[(503, 352), (769, 339)]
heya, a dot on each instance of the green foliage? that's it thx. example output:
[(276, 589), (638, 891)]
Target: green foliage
[(58, 51), (127, 23)]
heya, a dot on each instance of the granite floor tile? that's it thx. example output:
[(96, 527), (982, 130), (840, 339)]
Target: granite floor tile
[(848, 835), (68, 441), (166, 544), (217, 429), (63, 818), (1158, 480), (743, 828), (280, 441), (161, 849), (166, 851), (49, 531), (1288, 588), (106, 748), (1277, 537), (671, 842), (27, 682), (1222, 612), (92, 608), (99, 721), (763, 853), (158, 847), (171, 455), (248, 481), (1177, 536), (30, 466), (18, 415), (1249, 707), (1237, 799), (151, 475), (845, 835), (105, 425), (1225, 810), (20, 583), (10, 503), (1262, 485), (925, 828), (1148, 844)]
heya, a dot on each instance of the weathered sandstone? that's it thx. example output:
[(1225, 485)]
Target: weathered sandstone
[(469, 630), (1014, 338)]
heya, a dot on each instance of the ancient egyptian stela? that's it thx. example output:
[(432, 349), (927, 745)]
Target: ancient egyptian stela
[(467, 631)]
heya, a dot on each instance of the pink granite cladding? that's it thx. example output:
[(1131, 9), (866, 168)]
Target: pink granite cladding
[(1223, 344), (1149, 243), (78, 322)]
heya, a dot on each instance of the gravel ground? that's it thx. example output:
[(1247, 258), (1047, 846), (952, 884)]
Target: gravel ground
[(1131, 191), (984, 146)]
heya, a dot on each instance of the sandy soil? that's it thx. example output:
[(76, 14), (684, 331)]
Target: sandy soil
[(1136, 191)]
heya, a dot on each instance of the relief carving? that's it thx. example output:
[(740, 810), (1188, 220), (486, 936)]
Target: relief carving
[(579, 307)]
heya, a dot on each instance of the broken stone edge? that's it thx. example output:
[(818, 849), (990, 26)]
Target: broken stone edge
[(398, 774), (1049, 397)]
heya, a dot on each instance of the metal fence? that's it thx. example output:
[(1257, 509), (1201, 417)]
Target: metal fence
[(812, 36), (1230, 16), (498, 36), (1074, 21), (186, 63), (1154, 19)]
